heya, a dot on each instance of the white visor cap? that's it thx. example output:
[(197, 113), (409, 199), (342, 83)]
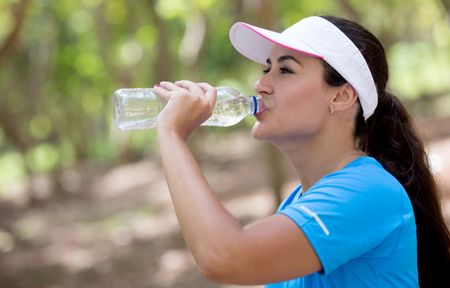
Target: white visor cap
[(317, 37)]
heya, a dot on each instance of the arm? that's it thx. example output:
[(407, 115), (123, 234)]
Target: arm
[(269, 250)]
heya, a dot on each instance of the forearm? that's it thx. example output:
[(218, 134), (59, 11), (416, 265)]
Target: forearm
[(209, 229)]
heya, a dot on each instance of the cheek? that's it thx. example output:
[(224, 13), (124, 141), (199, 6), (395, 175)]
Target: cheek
[(308, 103), (305, 110)]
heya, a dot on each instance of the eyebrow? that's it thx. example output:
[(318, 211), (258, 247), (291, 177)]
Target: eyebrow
[(284, 58)]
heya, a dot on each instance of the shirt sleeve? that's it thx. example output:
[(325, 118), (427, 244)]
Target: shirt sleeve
[(346, 215)]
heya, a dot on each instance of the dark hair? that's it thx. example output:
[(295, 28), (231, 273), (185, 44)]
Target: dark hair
[(390, 137)]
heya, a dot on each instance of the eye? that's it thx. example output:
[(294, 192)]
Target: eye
[(285, 70), (266, 70)]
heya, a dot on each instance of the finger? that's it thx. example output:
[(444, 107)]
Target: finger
[(205, 86), (170, 86), (161, 93), (210, 93), (192, 87)]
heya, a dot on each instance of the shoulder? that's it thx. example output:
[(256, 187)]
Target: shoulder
[(362, 186), (363, 175), (364, 170)]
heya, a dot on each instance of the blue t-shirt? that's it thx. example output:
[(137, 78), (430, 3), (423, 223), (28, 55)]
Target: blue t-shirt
[(360, 222)]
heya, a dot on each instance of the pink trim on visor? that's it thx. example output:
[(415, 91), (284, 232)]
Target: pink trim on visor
[(290, 47)]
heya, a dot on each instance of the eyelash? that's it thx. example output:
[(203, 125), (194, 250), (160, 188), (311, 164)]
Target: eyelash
[(282, 70)]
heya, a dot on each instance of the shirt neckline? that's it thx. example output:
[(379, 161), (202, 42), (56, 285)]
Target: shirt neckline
[(353, 163)]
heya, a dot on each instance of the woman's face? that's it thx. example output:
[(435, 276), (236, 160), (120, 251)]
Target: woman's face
[(295, 97)]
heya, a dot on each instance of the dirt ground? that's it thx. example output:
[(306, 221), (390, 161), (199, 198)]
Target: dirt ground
[(117, 229)]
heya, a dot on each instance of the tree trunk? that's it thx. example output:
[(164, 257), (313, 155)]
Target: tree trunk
[(19, 11), (7, 119), (163, 65)]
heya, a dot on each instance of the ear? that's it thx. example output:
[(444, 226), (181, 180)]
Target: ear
[(344, 98)]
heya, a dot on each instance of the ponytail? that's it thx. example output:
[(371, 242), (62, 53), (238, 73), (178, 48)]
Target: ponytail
[(389, 136), (391, 139)]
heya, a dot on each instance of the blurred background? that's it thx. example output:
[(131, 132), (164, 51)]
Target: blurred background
[(85, 205)]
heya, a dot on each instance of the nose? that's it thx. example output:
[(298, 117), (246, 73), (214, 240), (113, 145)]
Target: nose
[(263, 86)]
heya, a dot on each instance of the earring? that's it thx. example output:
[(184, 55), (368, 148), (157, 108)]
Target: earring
[(332, 110)]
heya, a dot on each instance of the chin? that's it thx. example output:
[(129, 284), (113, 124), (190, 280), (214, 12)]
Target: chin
[(258, 131)]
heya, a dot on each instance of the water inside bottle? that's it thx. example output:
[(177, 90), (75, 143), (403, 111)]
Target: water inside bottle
[(228, 112), (138, 113)]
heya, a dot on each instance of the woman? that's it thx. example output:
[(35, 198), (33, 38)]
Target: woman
[(365, 179)]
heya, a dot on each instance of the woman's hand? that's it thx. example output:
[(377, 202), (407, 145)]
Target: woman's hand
[(188, 105)]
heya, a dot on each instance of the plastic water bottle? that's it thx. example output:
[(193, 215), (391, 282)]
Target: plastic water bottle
[(138, 108)]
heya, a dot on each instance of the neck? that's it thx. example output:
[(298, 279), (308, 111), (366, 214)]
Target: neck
[(315, 158)]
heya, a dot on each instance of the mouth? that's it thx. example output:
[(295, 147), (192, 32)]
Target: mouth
[(262, 108)]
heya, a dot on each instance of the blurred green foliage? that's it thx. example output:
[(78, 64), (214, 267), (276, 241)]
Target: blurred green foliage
[(59, 71)]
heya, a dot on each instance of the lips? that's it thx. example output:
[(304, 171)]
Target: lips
[(262, 108)]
